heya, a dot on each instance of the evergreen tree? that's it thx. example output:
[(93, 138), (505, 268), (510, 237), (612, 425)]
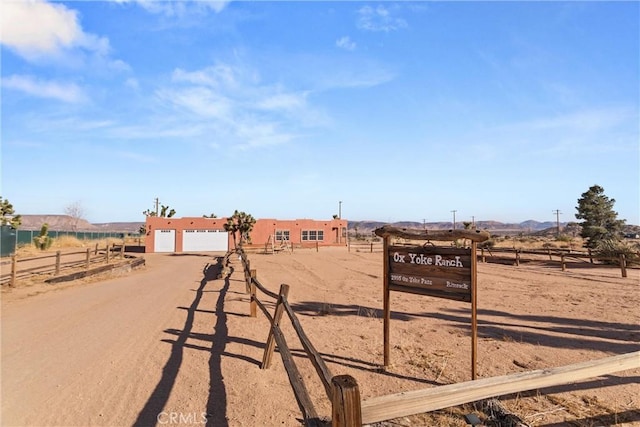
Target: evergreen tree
[(600, 221)]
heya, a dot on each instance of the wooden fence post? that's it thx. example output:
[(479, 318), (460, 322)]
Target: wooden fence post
[(590, 255), (346, 409), (549, 252), (517, 257), (58, 254), (107, 252), (317, 244), (247, 276), (88, 259), (14, 269), (482, 255), (623, 265), (122, 251), (564, 267), (96, 251), (277, 315), (371, 247), (252, 289)]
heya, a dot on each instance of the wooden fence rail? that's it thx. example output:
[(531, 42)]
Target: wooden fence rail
[(370, 247), (56, 266), (418, 401), (563, 257)]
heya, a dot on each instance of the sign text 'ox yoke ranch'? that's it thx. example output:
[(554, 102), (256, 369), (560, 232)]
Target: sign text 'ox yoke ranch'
[(435, 271)]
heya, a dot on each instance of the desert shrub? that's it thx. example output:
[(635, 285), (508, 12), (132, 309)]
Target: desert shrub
[(487, 244), (612, 249), (564, 238), (43, 241)]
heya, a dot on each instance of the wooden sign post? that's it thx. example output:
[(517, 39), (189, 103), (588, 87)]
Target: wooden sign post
[(437, 271)]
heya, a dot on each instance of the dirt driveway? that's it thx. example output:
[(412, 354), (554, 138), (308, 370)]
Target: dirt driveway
[(109, 352)]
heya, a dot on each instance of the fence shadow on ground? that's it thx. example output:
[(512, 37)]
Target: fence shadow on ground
[(609, 337), (148, 415), (217, 399), (323, 308), (363, 365)]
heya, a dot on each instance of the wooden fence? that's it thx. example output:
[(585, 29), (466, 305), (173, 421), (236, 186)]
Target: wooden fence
[(564, 258), (253, 286), (24, 268), (348, 410), (364, 246)]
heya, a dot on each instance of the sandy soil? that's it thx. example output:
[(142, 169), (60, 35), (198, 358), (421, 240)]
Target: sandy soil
[(173, 344)]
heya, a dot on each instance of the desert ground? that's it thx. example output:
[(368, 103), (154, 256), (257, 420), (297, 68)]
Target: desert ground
[(172, 343)]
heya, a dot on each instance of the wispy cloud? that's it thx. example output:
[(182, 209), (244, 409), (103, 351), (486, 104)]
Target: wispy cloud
[(575, 133), (66, 92), (132, 83), (40, 31), (129, 155), (235, 103), (346, 43), (379, 18), (179, 8), (584, 121)]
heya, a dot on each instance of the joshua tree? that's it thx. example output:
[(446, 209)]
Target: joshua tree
[(43, 241), (241, 223)]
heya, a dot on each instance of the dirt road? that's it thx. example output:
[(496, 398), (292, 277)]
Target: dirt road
[(114, 352)]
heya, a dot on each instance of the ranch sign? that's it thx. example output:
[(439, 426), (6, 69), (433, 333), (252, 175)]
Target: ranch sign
[(426, 269), (432, 271)]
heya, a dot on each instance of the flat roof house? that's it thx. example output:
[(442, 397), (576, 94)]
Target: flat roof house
[(199, 234)]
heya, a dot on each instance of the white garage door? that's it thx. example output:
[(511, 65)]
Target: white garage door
[(165, 241), (205, 241)]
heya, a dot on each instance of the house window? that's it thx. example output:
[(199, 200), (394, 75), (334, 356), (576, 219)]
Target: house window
[(312, 235), (282, 235)]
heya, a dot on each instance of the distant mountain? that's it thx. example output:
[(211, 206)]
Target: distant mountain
[(124, 227), (530, 226), (67, 223)]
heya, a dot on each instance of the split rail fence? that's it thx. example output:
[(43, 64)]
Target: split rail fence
[(349, 410), (564, 258), (53, 265)]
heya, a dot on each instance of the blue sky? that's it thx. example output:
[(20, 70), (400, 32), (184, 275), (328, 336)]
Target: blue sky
[(501, 111)]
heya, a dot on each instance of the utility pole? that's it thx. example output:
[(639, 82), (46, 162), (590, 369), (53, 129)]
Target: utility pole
[(473, 222), (157, 203), (454, 218), (557, 212), (424, 223), (340, 209)]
